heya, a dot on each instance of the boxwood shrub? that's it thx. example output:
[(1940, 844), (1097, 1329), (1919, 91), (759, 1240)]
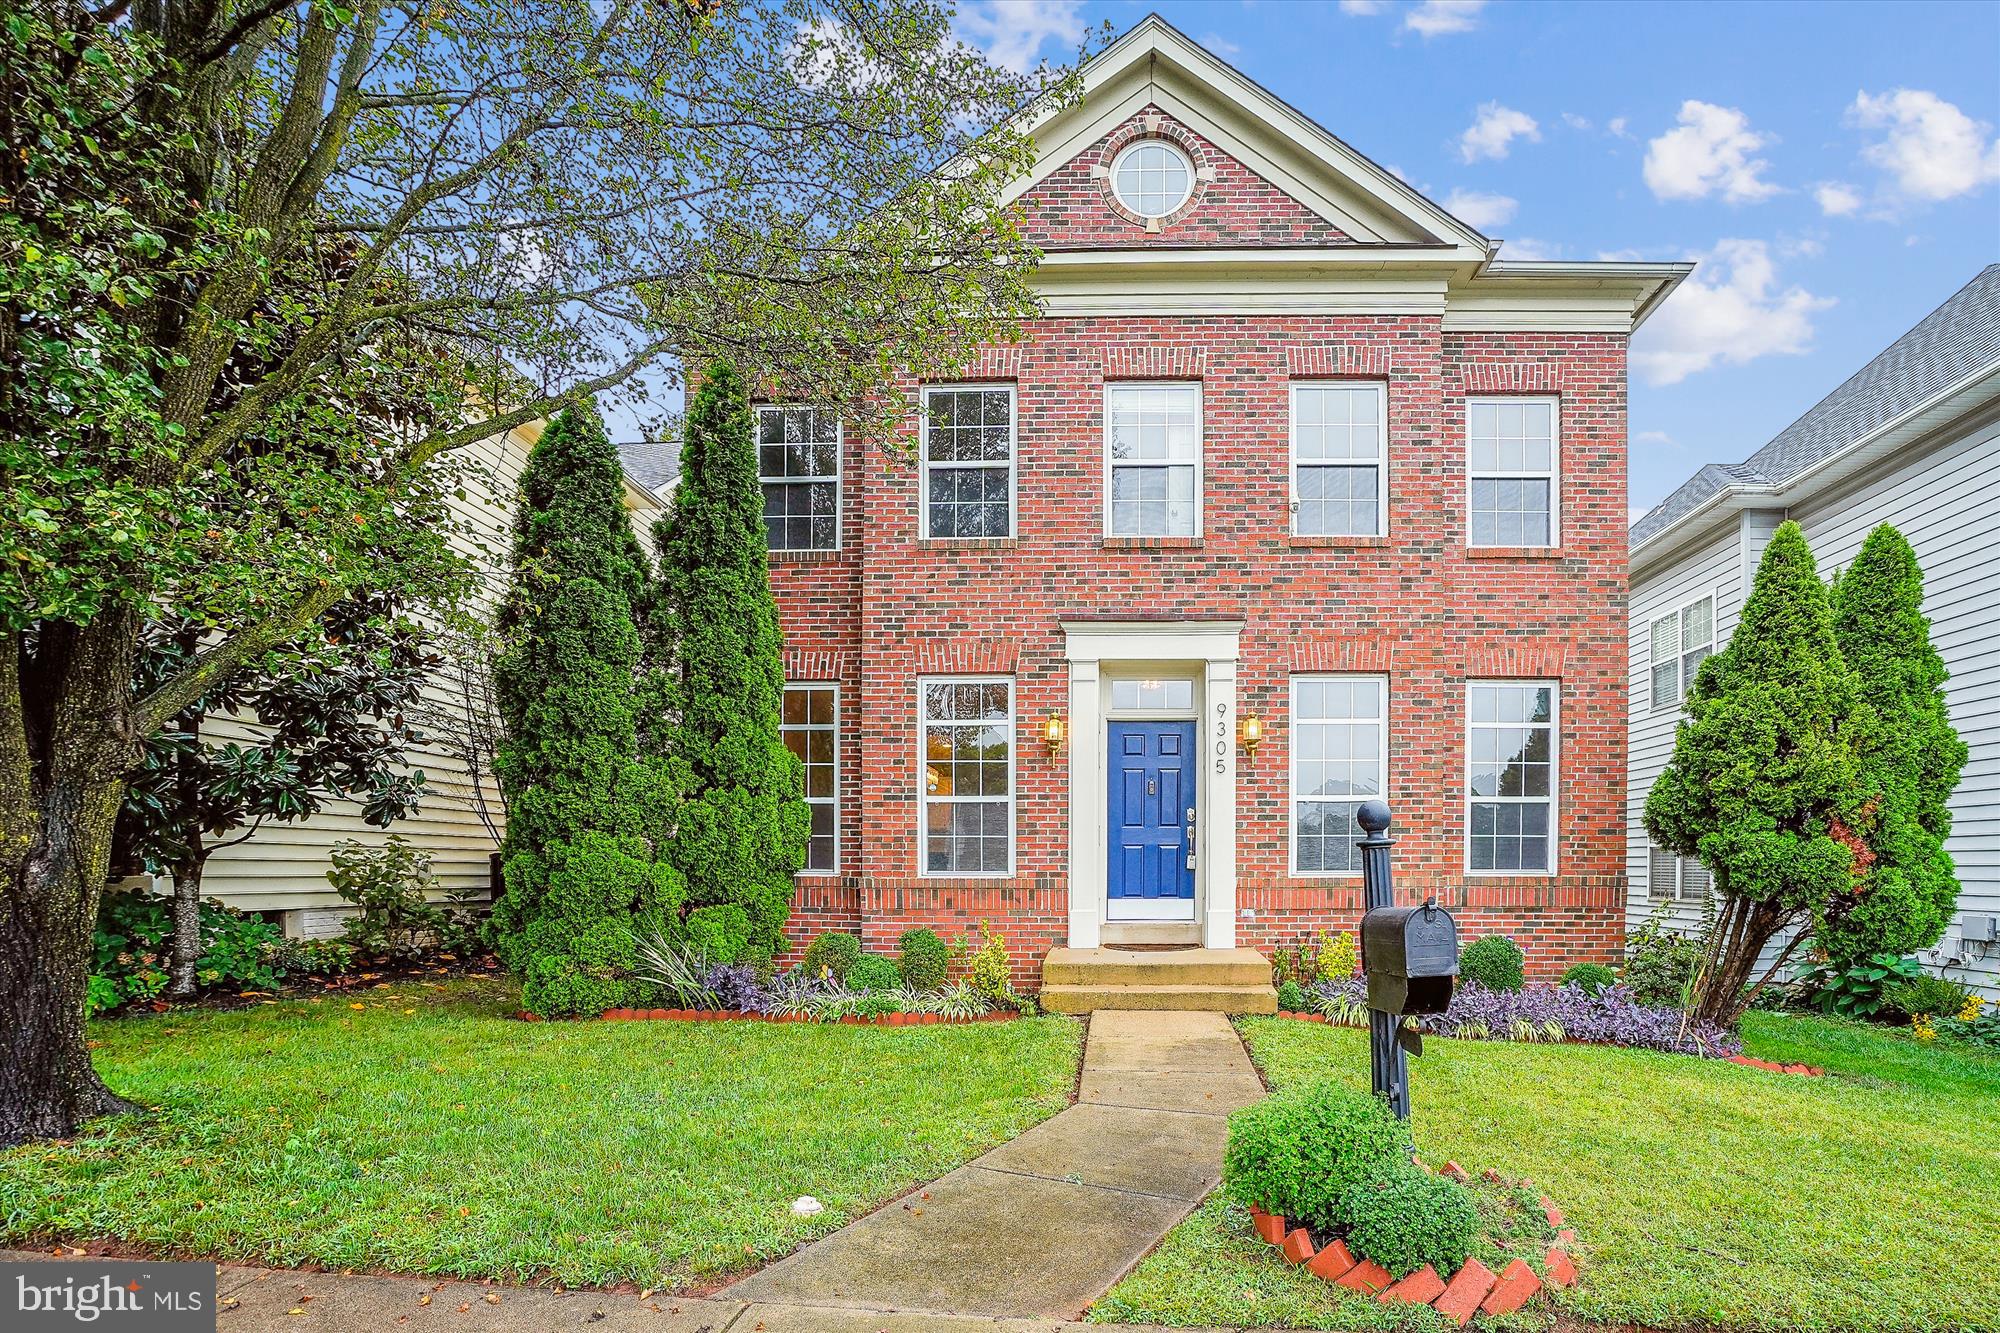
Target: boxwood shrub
[(926, 959), (1495, 962), (1297, 1151), (872, 972), (831, 954), (1410, 1218), (1592, 978)]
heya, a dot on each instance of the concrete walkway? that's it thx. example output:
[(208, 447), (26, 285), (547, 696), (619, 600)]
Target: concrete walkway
[(1019, 1241), (1044, 1225)]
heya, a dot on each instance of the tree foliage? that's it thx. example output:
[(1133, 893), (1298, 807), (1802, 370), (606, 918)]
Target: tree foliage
[(743, 824), (334, 721), (1908, 767), (1764, 785), (270, 267), (581, 861)]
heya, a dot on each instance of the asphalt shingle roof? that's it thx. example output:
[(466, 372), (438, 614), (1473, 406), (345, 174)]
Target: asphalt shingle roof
[(651, 463), (1953, 341)]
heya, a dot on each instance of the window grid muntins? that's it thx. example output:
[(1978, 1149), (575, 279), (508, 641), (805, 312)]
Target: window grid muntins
[(1511, 777), (969, 462), (1679, 642), (1339, 754), (810, 727), (1152, 179), (798, 465), (1511, 443), (967, 817), (1153, 444), (1337, 459)]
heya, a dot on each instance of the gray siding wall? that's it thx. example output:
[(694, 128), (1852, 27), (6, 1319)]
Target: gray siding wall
[(1944, 496)]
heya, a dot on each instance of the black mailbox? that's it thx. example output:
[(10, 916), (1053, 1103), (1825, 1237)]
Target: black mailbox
[(1410, 955)]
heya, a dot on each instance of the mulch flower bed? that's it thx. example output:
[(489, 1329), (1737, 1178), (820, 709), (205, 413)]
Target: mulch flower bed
[(752, 1016), (1473, 1289)]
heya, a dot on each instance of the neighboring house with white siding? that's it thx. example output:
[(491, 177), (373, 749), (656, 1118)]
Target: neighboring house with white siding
[(282, 869), (1912, 439)]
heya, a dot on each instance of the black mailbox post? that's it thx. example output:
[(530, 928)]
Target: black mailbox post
[(1409, 955)]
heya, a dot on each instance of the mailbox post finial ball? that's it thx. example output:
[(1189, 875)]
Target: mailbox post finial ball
[(1373, 816)]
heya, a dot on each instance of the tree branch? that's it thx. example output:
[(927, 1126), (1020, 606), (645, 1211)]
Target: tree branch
[(181, 690)]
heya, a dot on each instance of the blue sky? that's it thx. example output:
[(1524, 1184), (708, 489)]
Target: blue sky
[(1834, 167)]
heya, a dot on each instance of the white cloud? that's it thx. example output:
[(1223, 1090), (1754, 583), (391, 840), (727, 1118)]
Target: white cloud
[(1012, 32), (1530, 249), (1617, 127), (1493, 129), (1217, 44), (1931, 149), (1712, 152), (1576, 122), (1434, 18), (1653, 437), (1478, 209), (1730, 311), (1836, 199), (1363, 7)]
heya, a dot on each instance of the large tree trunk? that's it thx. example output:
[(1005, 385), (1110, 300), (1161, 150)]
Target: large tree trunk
[(64, 719)]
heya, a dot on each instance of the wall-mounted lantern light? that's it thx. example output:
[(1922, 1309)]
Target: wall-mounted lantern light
[(1052, 732), (1253, 732)]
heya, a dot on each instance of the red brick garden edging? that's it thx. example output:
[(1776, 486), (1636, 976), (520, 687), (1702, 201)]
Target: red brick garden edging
[(749, 1016), (1473, 1289)]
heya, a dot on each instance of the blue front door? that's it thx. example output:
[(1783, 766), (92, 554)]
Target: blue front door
[(1152, 812)]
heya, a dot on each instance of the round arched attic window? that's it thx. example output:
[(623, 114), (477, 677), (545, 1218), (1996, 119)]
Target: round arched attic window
[(1152, 178)]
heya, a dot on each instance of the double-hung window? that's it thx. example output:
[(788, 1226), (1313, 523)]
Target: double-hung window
[(1339, 754), (1153, 459), (798, 461), (1512, 453), (1339, 443), (1511, 776), (969, 461), (967, 817), (1679, 641), (810, 727), (1671, 878)]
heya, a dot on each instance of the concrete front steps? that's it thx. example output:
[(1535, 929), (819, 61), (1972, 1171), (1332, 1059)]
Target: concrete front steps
[(1230, 981)]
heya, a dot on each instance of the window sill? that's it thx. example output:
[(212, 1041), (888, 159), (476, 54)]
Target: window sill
[(1518, 553), (812, 557), (1353, 543), (1152, 543), (969, 543)]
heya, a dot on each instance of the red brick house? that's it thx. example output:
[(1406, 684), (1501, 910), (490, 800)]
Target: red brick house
[(1296, 495)]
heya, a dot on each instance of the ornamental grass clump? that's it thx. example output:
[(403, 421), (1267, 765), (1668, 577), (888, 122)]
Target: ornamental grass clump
[(1410, 1218), (1300, 1149)]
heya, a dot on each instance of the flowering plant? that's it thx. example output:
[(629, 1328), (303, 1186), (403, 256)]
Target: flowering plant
[(1544, 1013)]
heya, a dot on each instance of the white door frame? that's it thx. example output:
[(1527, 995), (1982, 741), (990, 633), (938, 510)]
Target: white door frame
[(1212, 646)]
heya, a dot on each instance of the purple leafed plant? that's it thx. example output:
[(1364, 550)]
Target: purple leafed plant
[(1544, 1013), (737, 988)]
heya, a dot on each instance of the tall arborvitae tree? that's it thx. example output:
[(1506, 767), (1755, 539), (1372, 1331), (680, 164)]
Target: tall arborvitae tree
[(1909, 766), (743, 823), (581, 859), (1764, 779)]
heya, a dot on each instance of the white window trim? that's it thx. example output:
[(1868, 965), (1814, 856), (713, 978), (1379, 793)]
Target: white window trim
[(1013, 458), (1200, 442), (1152, 142), (1381, 454), (1292, 797), (838, 477), (808, 873), (1679, 616), (1013, 778), (1553, 474), (1680, 893), (1466, 798)]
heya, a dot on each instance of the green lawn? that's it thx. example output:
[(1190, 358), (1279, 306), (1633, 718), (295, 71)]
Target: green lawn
[(418, 1129), (1704, 1193)]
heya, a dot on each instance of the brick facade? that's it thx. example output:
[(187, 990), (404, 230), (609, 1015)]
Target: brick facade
[(1415, 605)]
